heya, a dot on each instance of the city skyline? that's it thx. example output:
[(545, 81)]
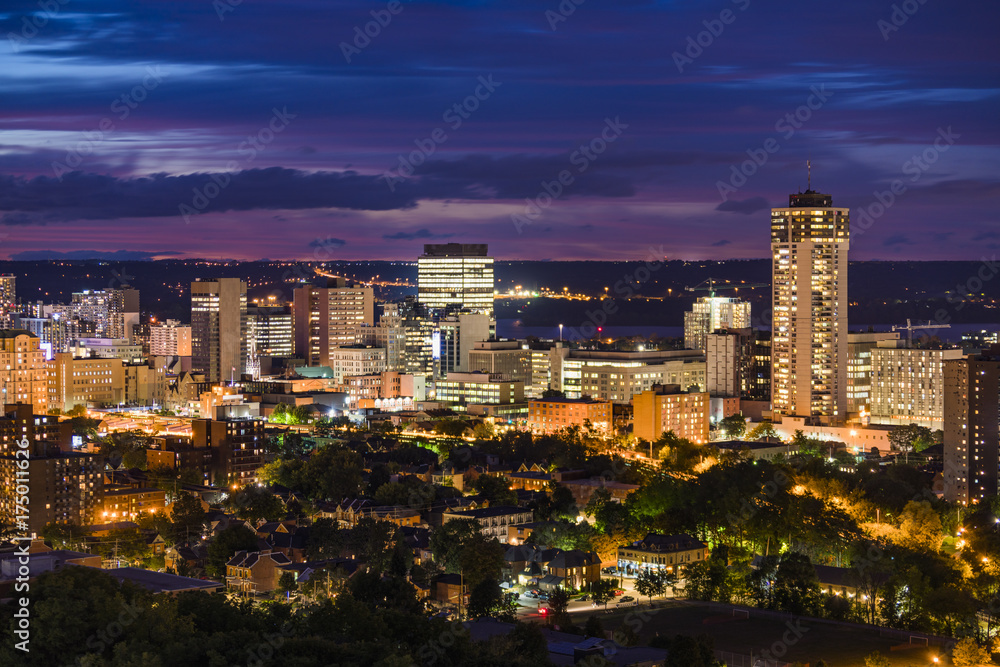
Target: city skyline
[(651, 112)]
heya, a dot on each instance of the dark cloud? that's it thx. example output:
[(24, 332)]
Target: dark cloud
[(328, 242), (119, 255), (897, 240), (422, 233), (721, 243), (746, 207)]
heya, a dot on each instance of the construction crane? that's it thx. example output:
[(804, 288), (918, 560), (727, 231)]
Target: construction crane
[(711, 288), (910, 328)]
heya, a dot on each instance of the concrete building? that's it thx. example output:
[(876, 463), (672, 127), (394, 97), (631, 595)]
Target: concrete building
[(661, 552), (464, 389), (510, 358), (665, 408), (327, 315), (270, 331), (455, 337), (170, 339), (493, 521), (710, 313), (389, 391), (238, 446), (457, 276), (548, 415), (52, 332), (859, 371), (113, 311), (353, 360), (972, 427), (63, 486), (619, 376), (907, 385), (129, 504), (23, 370), (94, 382), (109, 348), (218, 328), (809, 246)]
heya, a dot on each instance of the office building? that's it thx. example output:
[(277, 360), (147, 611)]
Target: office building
[(63, 486), (453, 339), (218, 328), (907, 385), (8, 300), (859, 371), (711, 313), (548, 415), (456, 276), (93, 382), (666, 408), (510, 358), (809, 246), (270, 331), (109, 348), (23, 373), (327, 315), (971, 432), (354, 360), (618, 376), (464, 389), (170, 339)]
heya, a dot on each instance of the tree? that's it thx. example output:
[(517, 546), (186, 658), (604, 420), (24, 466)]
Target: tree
[(734, 426), (286, 582), (876, 659), (796, 586), (967, 653), (593, 627), (650, 583), (188, 516), (374, 542), (496, 489), (448, 542), (559, 604), (325, 540), (603, 590), (484, 431), (765, 429), (481, 558), (252, 503), (62, 535), (225, 544), (920, 527), (487, 599), (905, 438)]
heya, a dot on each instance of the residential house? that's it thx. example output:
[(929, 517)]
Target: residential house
[(493, 521), (255, 572), (654, 551)]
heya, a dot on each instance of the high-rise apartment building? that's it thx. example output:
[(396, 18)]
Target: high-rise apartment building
[(218, 328), (738, 365), (809, 245), (859, 370), (63, 486), (711, 313), (170, 339), (113, 311), (8, 300), (456, 275), (907, 384), (971, 431), (24, 377), (327, 316)]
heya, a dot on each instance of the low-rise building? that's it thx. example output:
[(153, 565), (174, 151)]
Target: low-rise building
[(660, 552), (666, 408), (548, 415), (464, 389), (493, 521), (255, 572), (128, 504)]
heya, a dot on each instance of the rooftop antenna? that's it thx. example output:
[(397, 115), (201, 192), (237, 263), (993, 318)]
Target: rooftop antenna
[(809, 178)]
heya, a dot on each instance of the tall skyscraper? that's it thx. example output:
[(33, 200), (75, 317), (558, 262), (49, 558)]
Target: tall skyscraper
[(456, 275), (327, 316), (972, 427), (710, 313), (218, 328), (809, 244), (8, 299), (269, 331)]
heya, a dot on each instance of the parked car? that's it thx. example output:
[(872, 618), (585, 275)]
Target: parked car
[(619, 592), (543, 596), (531, 595), (583, 598), (627, 598)]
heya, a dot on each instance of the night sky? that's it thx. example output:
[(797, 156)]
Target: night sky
[(112, 115)]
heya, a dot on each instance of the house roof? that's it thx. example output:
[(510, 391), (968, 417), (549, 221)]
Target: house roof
[(162, 582), (667, 543)]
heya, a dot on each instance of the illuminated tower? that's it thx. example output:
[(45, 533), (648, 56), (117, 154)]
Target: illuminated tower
[(809, 244)]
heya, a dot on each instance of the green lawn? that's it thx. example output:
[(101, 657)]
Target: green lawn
[(839, 647)]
